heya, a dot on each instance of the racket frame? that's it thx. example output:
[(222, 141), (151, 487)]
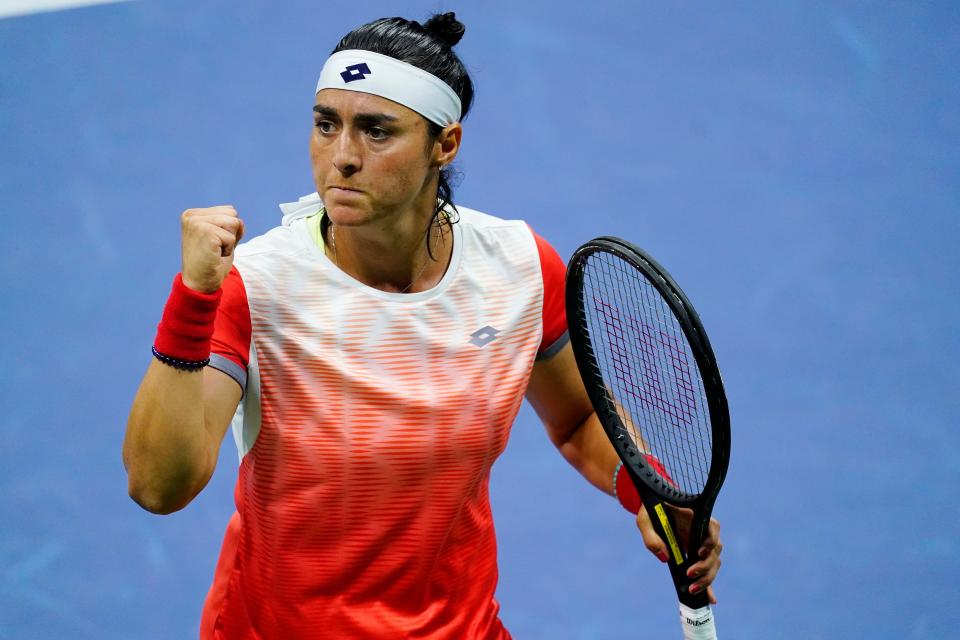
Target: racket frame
[(654, 490)]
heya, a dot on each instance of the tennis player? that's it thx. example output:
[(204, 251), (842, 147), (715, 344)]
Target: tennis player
[(372, 353)]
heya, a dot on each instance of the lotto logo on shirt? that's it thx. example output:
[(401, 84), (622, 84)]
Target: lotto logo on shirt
[(483, 337)]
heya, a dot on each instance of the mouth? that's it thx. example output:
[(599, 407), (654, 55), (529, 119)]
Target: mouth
[(341, 188)]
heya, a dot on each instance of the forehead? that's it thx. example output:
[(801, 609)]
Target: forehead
[(350, 103)]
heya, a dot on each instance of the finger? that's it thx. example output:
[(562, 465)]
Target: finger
[(710, 596), (231, 224), (709, 547), (714, 528), (206, 233), (715, 551), (203, 234), (224, 209), (651, 540), (712, 541), (226, 241), (705, 571), (704, 575), (699, 585)]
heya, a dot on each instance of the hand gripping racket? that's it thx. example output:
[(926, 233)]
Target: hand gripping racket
[(653, 380)]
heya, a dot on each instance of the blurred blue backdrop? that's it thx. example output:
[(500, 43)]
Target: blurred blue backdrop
[(794, 164)]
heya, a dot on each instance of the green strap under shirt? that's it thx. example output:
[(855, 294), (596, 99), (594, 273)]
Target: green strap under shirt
[(315, 227)]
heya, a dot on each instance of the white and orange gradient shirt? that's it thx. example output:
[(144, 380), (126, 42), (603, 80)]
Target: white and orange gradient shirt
[(367, 430)]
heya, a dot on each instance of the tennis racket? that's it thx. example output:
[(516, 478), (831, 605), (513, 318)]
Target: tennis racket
[(652, 377)]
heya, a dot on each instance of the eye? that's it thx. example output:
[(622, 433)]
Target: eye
[(376, 133), (325, 126)]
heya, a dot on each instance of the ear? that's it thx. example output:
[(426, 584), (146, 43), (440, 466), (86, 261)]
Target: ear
[(447, 145)]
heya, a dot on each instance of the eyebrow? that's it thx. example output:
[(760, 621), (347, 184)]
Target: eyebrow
[(360, 118)]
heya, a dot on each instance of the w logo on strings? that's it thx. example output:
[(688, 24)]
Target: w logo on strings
[(357, 71)]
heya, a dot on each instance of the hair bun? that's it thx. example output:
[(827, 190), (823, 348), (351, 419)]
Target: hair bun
[(445, 28)]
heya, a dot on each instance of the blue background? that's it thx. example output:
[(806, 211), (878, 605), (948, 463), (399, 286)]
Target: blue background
[(794, 164)]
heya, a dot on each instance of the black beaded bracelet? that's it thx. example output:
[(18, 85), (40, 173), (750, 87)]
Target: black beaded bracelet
[(183, 365)]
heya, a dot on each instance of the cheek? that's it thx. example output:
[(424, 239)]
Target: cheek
[(318, 158), (404, 172)]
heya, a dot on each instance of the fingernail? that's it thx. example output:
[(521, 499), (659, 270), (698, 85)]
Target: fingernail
[(694, 588), (663, 556), (692, 574)]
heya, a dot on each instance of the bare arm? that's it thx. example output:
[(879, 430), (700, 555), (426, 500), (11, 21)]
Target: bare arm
[(558, 396), (179, 418), (174, 433)]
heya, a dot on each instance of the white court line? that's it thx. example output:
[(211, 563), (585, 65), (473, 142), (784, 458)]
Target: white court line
[(11, 8)]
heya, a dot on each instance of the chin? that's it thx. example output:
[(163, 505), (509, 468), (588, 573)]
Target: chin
[(346, 215)]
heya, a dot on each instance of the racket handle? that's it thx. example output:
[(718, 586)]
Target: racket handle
[(697, 624), (693, 601), (679, 562)]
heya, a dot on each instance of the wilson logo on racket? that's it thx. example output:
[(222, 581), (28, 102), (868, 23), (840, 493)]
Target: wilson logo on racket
[(357, 71)]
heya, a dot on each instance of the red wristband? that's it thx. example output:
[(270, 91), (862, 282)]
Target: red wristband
[(654, 462), (625, 489), (185, 330)]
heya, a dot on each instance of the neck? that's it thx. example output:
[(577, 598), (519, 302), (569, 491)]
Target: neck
[(393, 255)]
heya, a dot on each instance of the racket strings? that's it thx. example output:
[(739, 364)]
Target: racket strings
[(649, 369)]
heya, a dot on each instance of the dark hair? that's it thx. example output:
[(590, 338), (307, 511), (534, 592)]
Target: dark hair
[(429, 47)]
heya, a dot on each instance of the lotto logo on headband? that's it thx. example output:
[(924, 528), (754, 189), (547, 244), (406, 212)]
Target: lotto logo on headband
[(355, 72)]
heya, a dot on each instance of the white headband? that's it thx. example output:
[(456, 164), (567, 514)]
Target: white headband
[(369, 72)]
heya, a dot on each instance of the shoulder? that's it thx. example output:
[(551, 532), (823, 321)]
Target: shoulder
[(282, 240), (480, 220), (494, 234), (485, 224)]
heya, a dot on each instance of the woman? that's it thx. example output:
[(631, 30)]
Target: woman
[(375, 349)]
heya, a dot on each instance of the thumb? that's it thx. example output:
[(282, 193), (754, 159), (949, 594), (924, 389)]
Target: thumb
[(651, 540)]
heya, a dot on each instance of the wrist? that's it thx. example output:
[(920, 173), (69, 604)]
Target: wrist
[(625, 491), (185, 330), (197, 286)]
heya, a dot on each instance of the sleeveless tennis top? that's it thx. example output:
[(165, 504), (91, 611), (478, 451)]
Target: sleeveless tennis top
[(367, 430)]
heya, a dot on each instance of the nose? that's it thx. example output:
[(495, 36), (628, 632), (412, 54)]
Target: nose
[(346, 154)]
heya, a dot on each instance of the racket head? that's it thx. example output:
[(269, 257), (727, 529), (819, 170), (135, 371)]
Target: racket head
[(622, 305)]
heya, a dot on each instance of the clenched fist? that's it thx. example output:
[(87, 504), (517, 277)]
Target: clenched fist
[(209, 237)]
